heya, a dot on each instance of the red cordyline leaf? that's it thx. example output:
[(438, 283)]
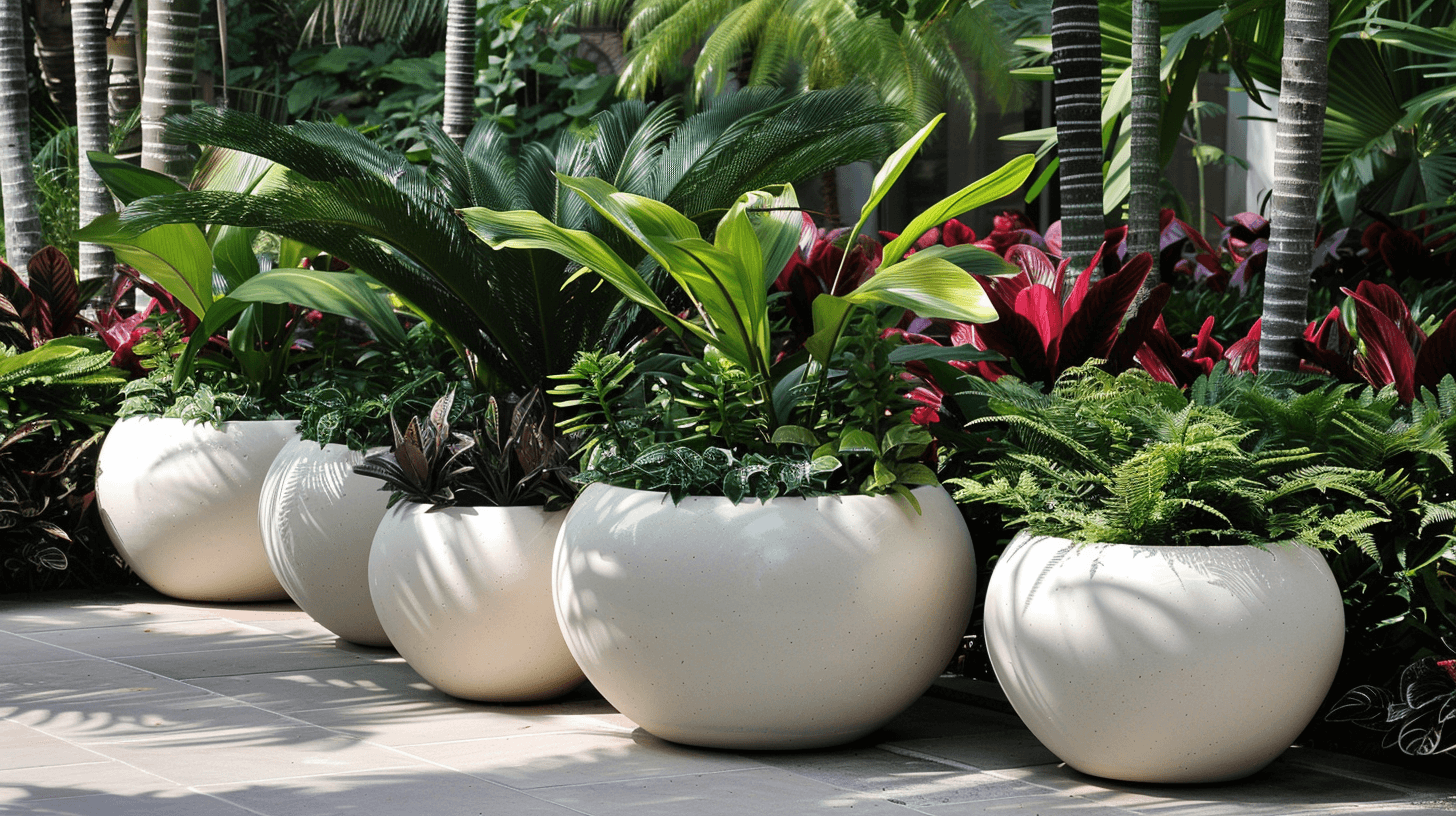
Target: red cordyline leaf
[(1328, 345), (1392, 305), (53, 283), (1243, 355), (1388, 357), (1437, 356), (1135, 333), (1092, 329), (1162, 357), (1053, 238), (1035, 263), (954, 233)]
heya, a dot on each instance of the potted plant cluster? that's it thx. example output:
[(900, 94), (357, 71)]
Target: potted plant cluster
[(749, 528), (460, 567), (1164, 615)]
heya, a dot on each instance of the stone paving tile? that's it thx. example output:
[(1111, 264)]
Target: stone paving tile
[(1284, 787), (264, 659), (165, 637), (901, 779), (752, 792), (17, 650), (427, 792), (413, 722), (84, 682), (1044, 805), (73, 610), (988, 751), (22, 747), (252, 754), (87, 779), (544, 760), (930, 717), (159, 715), (175, 802), (355, 685)]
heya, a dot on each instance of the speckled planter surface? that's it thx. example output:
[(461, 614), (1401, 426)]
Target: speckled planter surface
[(180, 502), (793, 624), (464, 594), (1164, 664), (318, 519)]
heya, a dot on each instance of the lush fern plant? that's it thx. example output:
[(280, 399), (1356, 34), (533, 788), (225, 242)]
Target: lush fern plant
[(1128, 460)]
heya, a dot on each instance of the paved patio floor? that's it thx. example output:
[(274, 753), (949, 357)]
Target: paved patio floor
[(131, 703)]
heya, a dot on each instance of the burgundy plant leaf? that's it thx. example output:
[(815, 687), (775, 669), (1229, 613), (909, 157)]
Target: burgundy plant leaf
[(1035, 263), (1388, 358), (1401, 250), (1243, 355), (1116, 238), (1328, 248), (1162, 357), (1437, 356), (1135, 333), (1252, 266), (1043, 309), (1329, 346), (53, 280), (1092, 328), (954, 233), (1392, 305), (13, 288), (1370, 237), (1206, 270), (1053, 238), (1206, 352)]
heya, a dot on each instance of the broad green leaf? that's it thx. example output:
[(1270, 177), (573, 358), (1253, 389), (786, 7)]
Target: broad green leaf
[(232, 254), (1178, 41), (973, 259), (1118, 175), (930, 286), (650, 223), (223, 310), (176, 256), (890, 173), (1119, 98), (830, 312), (858, 440), (794, 435), (528, 229), (779, 230), (340, 293), (998, 184), (915, 473), (127, 181), (925, 351)]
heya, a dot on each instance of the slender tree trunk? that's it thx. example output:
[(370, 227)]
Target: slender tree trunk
[(17, 177), (171, 57), (52, 21), (88, 24), (124, 88), (1147, 106), (1303, 89), (1077, 60), (459, 69)]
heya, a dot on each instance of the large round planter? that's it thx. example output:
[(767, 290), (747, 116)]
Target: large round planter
[(318, 518), (1164, 664), (180, 502), (795, 623), (464, 594)]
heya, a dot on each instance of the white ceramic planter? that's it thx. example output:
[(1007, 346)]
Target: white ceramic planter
[(464, 594), (1164, 664), (793, 624), (180, 502), (318, 518)]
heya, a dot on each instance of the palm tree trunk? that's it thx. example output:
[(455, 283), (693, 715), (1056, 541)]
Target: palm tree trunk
[(1077, 60), (171, 56), (1145, 126), (88, 26), (17, 178), (459, 69), (52, 21), (1303, 89), (124, 88)]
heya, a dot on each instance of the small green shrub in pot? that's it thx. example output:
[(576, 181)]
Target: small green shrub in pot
[(730, 494), (1166, 571)]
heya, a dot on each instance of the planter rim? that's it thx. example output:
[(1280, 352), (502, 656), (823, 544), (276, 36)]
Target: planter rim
[(1272, 546), (223, 424), (749, 501)]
